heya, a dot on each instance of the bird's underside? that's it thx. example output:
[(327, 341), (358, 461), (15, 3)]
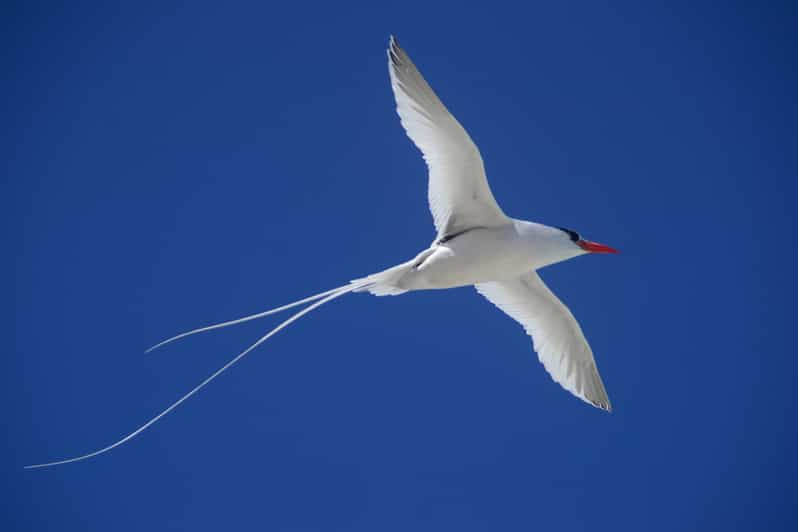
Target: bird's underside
[(476, 244)]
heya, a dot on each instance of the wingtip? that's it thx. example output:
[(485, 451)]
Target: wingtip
[(393, 51), (394, 47), (602, 405), (594, 404)]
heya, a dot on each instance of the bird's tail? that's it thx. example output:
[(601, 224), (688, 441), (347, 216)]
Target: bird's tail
[(315, 301), (389, 282), (263, 314), (382, 283)]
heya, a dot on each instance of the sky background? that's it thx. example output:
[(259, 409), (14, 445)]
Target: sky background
[(172, 166)]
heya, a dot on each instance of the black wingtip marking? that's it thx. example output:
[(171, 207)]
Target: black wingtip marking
[(393, 57), (394, 51)]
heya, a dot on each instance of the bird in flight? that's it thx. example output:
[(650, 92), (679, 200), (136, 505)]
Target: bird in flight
[(476, 244)]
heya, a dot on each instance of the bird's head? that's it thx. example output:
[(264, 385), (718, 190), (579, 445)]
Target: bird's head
[(586, 246), (549, 245)]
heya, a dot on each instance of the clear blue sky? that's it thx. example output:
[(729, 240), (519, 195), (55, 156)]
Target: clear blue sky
[(168, 167)]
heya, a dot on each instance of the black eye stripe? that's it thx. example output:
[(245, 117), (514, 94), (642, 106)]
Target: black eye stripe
[(573, 235)]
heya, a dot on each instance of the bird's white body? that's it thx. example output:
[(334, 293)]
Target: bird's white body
[(482, 255), (476, 244)]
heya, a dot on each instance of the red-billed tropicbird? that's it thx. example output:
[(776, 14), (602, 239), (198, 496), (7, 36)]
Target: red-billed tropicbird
[(476, 244)]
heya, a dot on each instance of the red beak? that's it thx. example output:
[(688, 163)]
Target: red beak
[(595, 247)]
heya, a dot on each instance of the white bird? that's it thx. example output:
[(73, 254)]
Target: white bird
[(476, 244)]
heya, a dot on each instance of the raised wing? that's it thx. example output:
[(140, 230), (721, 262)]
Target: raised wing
[(459, 195), (555, 333)]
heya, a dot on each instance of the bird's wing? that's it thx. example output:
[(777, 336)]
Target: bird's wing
[(459, 195), (556, 335)]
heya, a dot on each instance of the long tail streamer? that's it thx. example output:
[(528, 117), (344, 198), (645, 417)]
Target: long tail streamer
[(247, 318), (324, 297)]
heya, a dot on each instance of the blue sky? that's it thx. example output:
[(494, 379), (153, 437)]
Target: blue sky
[(171, 166)]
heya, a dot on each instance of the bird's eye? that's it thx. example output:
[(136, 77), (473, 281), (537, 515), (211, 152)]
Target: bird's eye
[(573, 235)]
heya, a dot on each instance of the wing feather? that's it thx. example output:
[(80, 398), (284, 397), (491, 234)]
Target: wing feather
[(556, 335), (459, 195)]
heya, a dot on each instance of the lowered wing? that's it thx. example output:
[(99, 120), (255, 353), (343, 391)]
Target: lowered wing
[(555, 333)]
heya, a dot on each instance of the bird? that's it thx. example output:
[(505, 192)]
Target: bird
[(476, 244)]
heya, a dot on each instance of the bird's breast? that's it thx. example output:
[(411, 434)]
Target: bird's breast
[(476, 256)]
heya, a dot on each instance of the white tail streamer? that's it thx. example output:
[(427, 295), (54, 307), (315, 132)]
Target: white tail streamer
[(327, 296), (247, 318)]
